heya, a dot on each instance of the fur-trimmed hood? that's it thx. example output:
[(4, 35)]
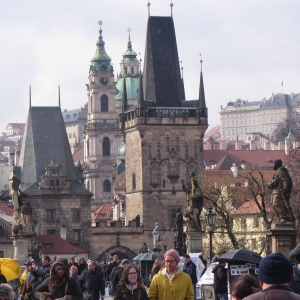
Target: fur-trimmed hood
[(8, 292), (52, 271), (44, 295)]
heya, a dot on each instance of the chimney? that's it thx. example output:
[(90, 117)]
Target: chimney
[(223, 145), (267, 146), (234, 170), (252, 145), (238, 145)]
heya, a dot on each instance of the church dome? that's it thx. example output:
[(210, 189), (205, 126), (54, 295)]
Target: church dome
[(121, 151)]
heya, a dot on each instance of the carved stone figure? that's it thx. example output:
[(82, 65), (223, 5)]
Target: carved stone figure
[(156, 236), (179, 223), (144, 248), (281, 185), (194, 203)]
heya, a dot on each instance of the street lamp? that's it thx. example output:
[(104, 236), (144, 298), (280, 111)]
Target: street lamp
[(210, 217)]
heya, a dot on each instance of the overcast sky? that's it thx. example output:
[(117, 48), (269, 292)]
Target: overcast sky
[(247, 47)]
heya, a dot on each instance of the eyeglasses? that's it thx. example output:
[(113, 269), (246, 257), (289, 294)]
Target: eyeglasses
[(169, 261), (132, 273)]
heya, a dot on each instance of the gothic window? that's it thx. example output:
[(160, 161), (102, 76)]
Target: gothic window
[(106, 186), (51, 182), (132, 70), (104, 103), (50, 215), (77, 235), (106, 147), (76, 215), (133, 182)]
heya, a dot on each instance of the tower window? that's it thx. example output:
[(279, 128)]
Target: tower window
[(104, 103), (106, 147), (106, 186), (50, 215), (164, 183), (132, 70), (133, 182)]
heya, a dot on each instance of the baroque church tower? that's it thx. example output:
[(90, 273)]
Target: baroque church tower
[(102, 137)]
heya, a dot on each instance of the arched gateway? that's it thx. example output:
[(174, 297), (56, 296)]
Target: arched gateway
[(121, 251)]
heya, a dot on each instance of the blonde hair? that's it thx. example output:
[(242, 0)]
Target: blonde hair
[(74, 268)]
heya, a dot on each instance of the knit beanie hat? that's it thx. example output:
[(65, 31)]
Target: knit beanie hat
[(275, 269), (4, 294), (173, 253)]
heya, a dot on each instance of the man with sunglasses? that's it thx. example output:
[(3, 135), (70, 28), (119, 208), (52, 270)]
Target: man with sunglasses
[(171, 282)]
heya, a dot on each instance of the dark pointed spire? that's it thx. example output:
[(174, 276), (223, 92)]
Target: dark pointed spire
[(59, 95), (29, 96), (141, 92), (202, 103), (124, 96)]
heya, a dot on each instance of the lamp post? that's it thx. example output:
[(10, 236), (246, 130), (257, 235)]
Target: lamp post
[(210, 221)]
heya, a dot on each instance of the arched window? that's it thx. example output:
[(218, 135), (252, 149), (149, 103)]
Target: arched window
[(106, 147), (132, 70), (104, 103), (106, 186)]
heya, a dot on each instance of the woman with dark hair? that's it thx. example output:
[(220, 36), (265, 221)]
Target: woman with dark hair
[(82, 265), (156, 267), (243, 286), (59, 284), (131, 286)]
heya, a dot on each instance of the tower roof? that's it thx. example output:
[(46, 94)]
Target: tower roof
[(161, 76), (129, 55), (101, 62), (202, 103), (46, 138), (124, 96), (290, 136)]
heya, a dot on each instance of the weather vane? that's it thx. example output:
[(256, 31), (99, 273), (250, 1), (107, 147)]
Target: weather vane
[(148, 4), (128, 30), (171, 4), (100, 23)]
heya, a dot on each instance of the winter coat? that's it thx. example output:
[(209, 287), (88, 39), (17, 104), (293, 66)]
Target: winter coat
[(180, 286), (71, 287), (123, 293), (92, 281), (274, 292), (109, 269), (191, 270), (220, 279), (116, 279), (39, 275), (82, 267), (295, 286), (155, 271), (22, 284)]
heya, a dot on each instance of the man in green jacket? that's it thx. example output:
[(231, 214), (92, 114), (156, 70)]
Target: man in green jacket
[(171, 282)]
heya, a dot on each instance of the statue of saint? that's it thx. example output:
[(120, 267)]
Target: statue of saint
[(281, 185), (194, 203), (156, 236), (144, 248), (179, 222)]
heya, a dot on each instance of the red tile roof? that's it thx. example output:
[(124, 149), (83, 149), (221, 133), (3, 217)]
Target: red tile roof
[(79, 155), (7, 207), (101, 212), (54, 244), (249, 207), (212, 131)]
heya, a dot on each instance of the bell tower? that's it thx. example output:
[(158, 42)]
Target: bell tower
[(102, 137)]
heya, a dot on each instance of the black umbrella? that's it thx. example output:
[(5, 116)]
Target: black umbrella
[(148, 257), (241, 254)]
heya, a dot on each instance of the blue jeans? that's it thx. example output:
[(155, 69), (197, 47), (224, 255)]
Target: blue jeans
[(194, 286), (223, 296)]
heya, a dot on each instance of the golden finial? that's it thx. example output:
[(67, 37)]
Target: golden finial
[(200, 61), (129, 30), (100, 23), (171, 4), (148, 4)]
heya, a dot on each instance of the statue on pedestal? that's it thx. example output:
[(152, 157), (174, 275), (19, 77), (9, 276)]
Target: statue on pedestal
[(144, 248), (156, 237), (194, 203), (281, 185)]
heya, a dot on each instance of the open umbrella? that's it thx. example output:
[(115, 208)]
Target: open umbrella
[(241, 254), (148, 257), (9, 268)]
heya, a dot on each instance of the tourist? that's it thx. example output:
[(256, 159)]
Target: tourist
[(25, 286), (130, 287), (243, 286), (82, 265), (2, 278), (60, 284), (92, 283), (118, 274), (171, 282), (74, 273), (295, 253), (190, 269), (156, 267), (275, 275), (6, 292), (220, 281)]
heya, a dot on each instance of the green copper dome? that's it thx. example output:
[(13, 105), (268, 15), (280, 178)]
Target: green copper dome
[(290, 136), (101, 62), (129, 55)]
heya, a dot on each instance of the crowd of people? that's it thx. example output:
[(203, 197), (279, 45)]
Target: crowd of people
[(86, 280)]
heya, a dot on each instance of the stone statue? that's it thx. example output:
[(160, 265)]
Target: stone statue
[(144, 248), (194, 203), (179, 223), (281, 185), (156, 237)]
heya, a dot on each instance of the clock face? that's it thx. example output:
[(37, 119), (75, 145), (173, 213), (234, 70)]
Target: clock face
[(104, 80)]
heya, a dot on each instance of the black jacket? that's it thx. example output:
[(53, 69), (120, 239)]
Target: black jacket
[(109, 269), (220, 279), (39, 275), (123, 293), (92, 281), (191, 270)]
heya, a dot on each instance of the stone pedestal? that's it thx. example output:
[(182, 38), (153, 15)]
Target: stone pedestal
[(283, 237), (20, 243), (156, 250), (194, 242)]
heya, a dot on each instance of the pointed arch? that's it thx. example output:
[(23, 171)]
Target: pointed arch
[(121, 251)]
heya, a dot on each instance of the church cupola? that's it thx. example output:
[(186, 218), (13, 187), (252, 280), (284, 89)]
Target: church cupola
[(101, 62), (129, 63)]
